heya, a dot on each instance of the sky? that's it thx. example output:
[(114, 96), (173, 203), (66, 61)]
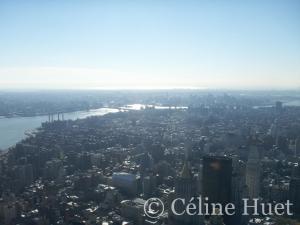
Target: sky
[(107, 44)]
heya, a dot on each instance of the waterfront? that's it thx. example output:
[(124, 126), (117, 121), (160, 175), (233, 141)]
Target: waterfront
[(12, 130)]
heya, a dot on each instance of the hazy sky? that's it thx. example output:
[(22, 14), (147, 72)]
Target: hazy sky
[(146, 44)]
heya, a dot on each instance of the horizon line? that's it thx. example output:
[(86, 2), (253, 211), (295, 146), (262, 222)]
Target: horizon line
[(150, 89)]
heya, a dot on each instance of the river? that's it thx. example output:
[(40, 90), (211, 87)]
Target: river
[(12, 130)]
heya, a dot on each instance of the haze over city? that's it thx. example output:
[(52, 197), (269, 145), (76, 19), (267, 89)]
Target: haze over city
[(149, 112), (139, 44)]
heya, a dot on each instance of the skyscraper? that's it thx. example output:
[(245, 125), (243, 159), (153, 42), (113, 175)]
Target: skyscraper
[(253, 172), (297, 146), (295, 191), (278, 106), (217, 173), (185, 188), (239, 191)]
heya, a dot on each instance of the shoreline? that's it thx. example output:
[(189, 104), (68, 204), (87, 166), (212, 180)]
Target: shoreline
[(33, 122), (46, 114)]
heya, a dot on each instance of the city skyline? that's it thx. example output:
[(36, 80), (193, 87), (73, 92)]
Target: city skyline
[(149, 45)]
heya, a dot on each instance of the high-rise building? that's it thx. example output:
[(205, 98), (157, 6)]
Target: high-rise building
[(216, 178), (126, 182), (148, 185), (295, 191), (274, 130), (297, 146), (133, 209), (253, 172), (217, 174), (185, 188), (278, 105), (239, 191)]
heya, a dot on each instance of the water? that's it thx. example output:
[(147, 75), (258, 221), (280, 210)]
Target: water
[(12, 130), (293, 103), (142, 106)]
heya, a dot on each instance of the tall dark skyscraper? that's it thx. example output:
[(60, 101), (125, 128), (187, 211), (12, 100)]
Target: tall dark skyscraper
[(217, 173), (239, 190), (297, 146), (295, 191)]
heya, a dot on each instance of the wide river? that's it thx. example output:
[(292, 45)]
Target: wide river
[(12, 130)]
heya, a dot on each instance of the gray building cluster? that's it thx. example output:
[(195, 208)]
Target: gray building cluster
[(101, 170)]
